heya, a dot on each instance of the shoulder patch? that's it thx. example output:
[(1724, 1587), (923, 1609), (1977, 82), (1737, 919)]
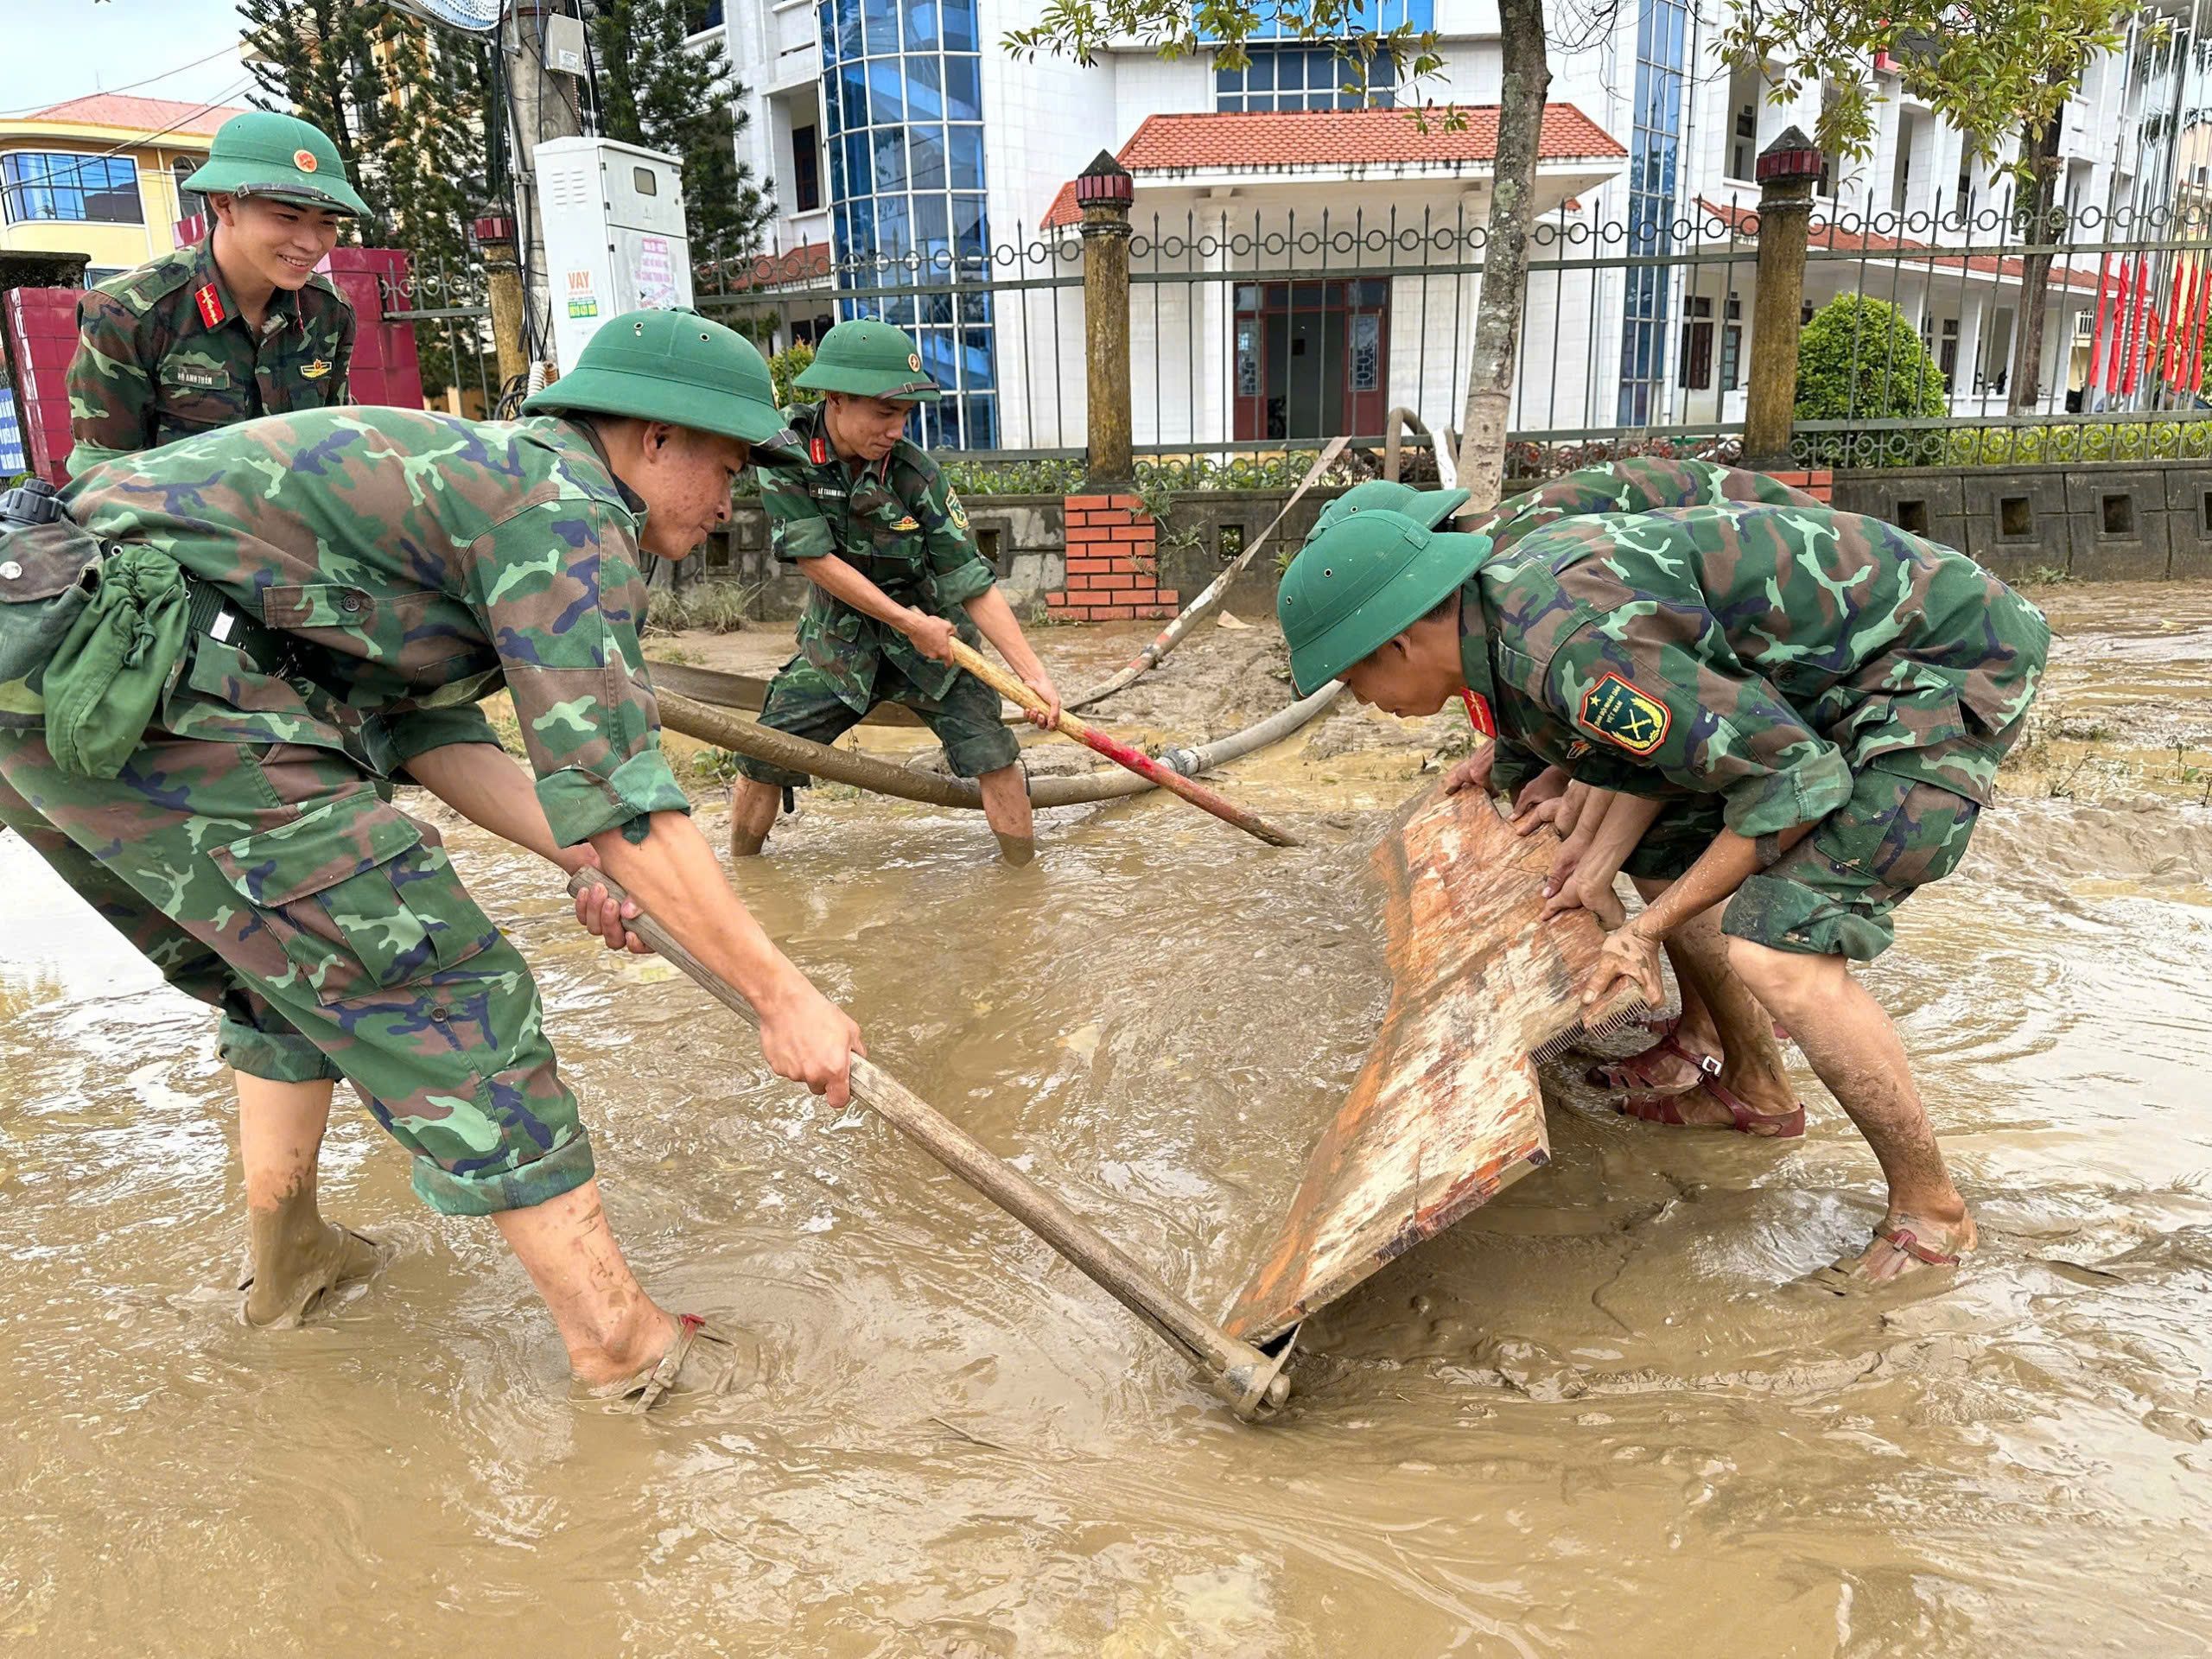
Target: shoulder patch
[(1616, 711), (954, 510)]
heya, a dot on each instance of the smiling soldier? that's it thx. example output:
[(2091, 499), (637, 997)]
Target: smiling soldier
[(236, 325)]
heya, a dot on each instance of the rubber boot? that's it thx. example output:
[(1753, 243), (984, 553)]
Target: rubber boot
[(297, 1258), (1017, 850)]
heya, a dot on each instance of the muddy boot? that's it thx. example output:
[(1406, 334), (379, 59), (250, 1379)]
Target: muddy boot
[(297, 1258), (1017, 850), (704, 1360)]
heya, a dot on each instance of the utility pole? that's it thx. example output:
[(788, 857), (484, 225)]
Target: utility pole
[(541, 41)]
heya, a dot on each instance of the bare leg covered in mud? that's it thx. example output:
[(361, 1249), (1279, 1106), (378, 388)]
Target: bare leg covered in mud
[(1854, 1047), (754, 806), (1720, 1017), (296, 1257), (616, 1335), (752, 809), (1006, 806)]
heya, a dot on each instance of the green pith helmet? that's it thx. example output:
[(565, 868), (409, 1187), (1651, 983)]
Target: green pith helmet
[(1427, 508), (869, 360), (262, 153), (675, 367), (1362, 582)]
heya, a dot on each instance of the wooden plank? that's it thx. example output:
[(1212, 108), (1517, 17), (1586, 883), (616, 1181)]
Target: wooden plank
[(1446, 1112), (749, 691)]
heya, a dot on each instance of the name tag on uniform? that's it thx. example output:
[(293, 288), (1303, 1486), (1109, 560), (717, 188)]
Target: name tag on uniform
[(826, 492), (186, 374)]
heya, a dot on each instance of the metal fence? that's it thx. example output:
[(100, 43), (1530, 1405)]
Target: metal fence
[(1263, 332), (449, 308)]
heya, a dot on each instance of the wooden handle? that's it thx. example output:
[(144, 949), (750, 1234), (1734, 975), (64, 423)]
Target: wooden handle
[(1122, 754), (1251, 1382)]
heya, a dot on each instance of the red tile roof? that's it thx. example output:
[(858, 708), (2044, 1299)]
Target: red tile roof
[(1744, 222), (1286, 139), (164, 116)]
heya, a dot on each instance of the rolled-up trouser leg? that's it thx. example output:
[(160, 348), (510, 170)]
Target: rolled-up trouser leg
[(343, 915), (254, 1037)]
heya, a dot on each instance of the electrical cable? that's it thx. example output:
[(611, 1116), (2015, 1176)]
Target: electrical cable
[(79, 164), (128, 85)]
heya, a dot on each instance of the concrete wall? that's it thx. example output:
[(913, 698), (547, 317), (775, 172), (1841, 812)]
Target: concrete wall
[(2113, 522)]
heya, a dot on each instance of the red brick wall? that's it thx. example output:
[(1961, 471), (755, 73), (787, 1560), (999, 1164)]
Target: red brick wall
[(1820, 484), (1112, 576)]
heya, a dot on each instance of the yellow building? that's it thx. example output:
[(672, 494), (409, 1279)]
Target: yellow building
[(101, 176)]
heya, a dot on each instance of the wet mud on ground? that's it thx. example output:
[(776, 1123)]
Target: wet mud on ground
[(1583, 1423)]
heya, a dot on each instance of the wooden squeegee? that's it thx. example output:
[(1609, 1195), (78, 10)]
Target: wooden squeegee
[(1446, 1112)]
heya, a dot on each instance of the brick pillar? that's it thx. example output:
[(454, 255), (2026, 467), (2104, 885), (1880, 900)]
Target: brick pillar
[(1112, 575), (1819, 483)]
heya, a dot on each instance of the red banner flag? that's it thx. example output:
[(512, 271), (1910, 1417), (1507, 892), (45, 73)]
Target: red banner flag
[(2181, 299), (2139, 332), (2113, 358), (2100, 349)]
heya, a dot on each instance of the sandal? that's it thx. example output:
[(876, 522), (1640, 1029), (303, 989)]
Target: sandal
[(1847, 1275), (1668, 1108), (703, 1359), (1634, 1072)]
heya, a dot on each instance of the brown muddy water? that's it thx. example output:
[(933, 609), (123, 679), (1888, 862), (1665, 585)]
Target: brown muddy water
[(1584, 1423)]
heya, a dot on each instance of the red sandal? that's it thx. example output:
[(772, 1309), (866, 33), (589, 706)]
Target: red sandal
[(1668, 1108), (1634, 1072)]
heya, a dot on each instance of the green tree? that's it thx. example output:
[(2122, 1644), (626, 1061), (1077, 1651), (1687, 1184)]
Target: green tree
[(1859, 359), (1998, 70), (655, 90), (405, 104)]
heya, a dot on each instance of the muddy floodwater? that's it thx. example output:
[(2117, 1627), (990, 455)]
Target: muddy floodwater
[(1585, 1422)]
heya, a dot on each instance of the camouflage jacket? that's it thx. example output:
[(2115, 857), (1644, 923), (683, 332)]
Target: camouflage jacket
[(900, 525), (409, 564), (163, 353), (1764, 652)]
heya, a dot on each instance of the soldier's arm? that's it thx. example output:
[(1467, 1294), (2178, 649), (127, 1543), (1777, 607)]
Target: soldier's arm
[(556, 587), (1647, 706), (1004, 629), (341, 359), (111, 392)]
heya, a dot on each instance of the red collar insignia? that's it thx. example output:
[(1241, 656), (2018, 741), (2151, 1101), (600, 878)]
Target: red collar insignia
[(817, 451), (1478, 714), (211, 304)]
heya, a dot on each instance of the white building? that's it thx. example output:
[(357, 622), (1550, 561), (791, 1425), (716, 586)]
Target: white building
[(1301, 261)]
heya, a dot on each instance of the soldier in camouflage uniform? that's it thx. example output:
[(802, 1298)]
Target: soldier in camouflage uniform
[(238, 325), (1813, 704), (897, 577), (360, 579)]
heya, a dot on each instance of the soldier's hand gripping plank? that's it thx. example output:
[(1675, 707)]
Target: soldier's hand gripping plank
[(1816, 703)]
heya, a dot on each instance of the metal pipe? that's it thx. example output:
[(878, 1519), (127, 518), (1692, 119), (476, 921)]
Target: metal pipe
[(1252, 1382)]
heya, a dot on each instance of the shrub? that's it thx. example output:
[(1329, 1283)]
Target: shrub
[(785, 369), (1860, 359)]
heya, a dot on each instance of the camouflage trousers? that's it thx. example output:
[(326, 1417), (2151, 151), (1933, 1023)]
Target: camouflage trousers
[(1835, 891), (274, 883), (802, 700)]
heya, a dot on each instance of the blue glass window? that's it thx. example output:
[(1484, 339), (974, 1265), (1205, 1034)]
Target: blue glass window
[(37, 185), (965, 146), (1306, 78), (907, 187), (964, 88), (1361, 17), (1654, 147)]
